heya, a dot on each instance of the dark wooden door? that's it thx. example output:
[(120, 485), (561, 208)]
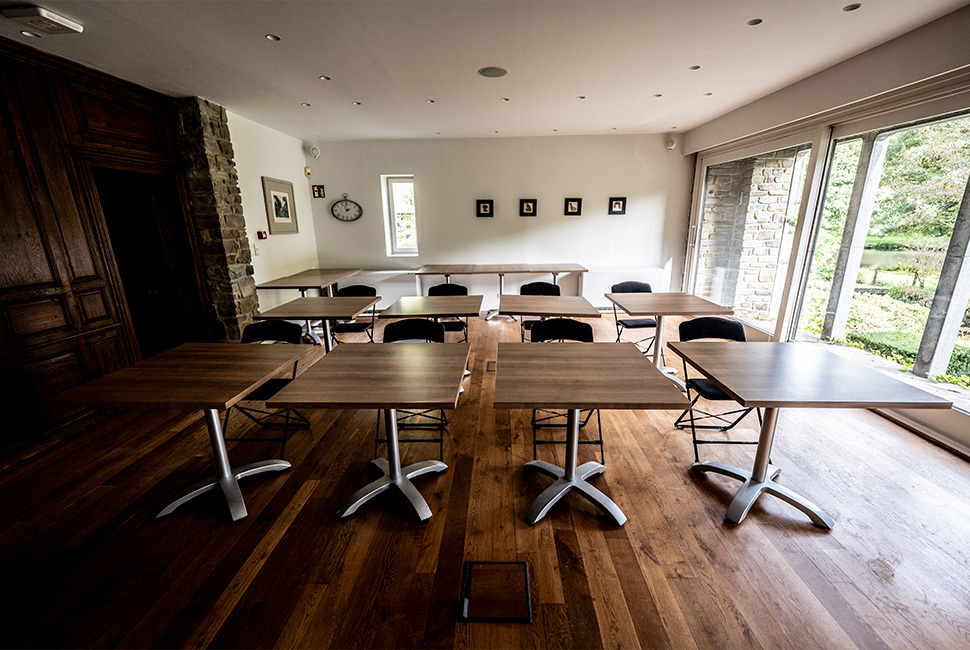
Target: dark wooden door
[(154, 257)]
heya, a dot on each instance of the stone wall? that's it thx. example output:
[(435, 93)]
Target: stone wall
[(745, 206), (203, 143)]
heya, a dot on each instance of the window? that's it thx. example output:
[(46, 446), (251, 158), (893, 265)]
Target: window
[(750, 209), (400, 222)]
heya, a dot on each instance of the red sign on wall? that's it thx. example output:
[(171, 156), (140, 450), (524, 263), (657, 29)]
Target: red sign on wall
[(318, 192)]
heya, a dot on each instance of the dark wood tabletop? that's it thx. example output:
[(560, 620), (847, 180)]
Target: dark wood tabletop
[(385, 375), (433, 307), (771, 374), (478, 269), (309, 279), (667, 304), (193, 375), (581, 376), (322, 308), (548, 306)]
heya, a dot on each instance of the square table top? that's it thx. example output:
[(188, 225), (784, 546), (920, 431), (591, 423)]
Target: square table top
[(478, 269), (549, 306), (380, 375), (581, 376), (433, 307), (310, 279), (773, 374), (667, 304), (193, 375), (321, 307)]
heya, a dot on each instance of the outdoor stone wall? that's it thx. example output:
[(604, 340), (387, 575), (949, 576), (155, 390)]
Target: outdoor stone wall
[(744, 224), (205, 149)]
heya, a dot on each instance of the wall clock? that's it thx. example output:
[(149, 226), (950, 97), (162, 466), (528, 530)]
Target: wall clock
[(346, 209)]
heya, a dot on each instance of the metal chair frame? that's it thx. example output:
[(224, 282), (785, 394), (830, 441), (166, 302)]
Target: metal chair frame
[(634, 286), (355, 326)]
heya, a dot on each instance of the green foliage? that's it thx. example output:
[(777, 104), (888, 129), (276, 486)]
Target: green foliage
[(919, 295), (902, 348)]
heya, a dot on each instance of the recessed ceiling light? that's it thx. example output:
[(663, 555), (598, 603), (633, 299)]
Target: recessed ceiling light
[(673, 128), (506, 99), (356, 103), (554, 130), (755, 21), (580, 96), (708, 94), (430, 101), (493, 71), (495, 132), (273, 37), (694, 67), (658, 95), (324, 77), (852, 7), (437, 132), (304, 104), (30, 34)]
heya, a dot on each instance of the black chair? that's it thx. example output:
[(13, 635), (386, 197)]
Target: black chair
[(355, 326), (449, 289), (632, 286), (425, 331), (562, 329), (710, 327), (535, 289), (266, 331)]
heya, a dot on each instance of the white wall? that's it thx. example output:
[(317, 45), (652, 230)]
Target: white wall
[(261, 151), (450, 174)]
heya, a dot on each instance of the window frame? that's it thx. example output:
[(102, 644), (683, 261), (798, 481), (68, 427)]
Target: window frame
[(390, 216)]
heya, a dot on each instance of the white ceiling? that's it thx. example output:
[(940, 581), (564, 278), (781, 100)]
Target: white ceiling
[(629, 59)]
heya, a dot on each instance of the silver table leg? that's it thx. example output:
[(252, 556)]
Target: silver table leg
[(571, 478), (394, 476), (227, 477), (761, 479)]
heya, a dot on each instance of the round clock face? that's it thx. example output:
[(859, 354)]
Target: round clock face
[(346, 210)]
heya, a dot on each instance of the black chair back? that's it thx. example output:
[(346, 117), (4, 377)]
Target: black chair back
[(539, 289), (272, 330), (448, 289), (711, 327), (631, 286), (414, 329), (356, 290), (561, 329)]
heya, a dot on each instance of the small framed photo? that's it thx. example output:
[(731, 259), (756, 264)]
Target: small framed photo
[(617, 205), (573, 207), (484, 207), (280, 206), (528, 207)]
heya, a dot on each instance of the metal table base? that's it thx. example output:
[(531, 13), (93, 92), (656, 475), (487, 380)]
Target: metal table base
[(571, 478), (761, 479), (394, 476), (227, 477)]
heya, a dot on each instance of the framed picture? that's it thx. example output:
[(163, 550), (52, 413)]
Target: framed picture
[(484, 207), (528, 207), (280, 206), (573, 207), (617, 205)]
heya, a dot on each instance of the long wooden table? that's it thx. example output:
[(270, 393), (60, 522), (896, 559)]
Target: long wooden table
[(790, 375), (322, 308), (658, 305), (322, 279), (207, 376), (576, 376), (546, 306), (434, 307), (417, 376)]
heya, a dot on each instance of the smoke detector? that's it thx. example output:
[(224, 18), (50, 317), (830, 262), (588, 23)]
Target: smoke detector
[(43, 21)]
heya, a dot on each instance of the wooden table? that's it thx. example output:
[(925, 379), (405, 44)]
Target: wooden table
[(795, 375), (207, 376), (576, 376), (658, 305), (546, 306), (395, 376), (434, 307), (323, 308), (322, 279)]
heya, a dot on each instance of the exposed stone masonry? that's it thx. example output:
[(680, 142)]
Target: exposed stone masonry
[(205, 149)]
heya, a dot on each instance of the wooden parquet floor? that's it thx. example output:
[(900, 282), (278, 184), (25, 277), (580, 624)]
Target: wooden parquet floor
[(86, 565)]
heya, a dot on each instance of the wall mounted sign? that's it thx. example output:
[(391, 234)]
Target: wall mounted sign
[(318, 192), (280, 206)]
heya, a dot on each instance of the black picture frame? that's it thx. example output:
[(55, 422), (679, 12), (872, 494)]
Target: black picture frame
[(528, 207), (572, 207), (484, 207), (617, 205)]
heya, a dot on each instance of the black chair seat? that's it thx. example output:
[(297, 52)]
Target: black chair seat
[(707, 389), (269, 389), (453, 325), (634, 323)]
